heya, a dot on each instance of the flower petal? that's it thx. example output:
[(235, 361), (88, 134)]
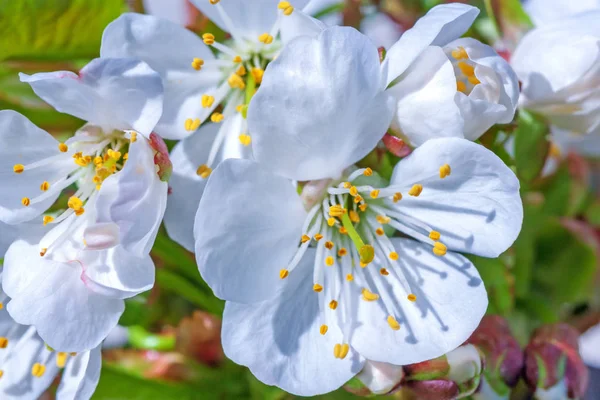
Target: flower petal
[(81, 375), (251, 19), (441, 25), (169, 49), (116, 273), (112, 93), (51, 296), (451, 300), (300, 24), (477, 209), (279, 339), (543, 12), (247, 228), (425, 99), (21, 142), (134, 199), (320, 108)]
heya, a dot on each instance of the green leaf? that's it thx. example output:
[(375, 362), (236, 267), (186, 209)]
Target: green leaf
[(510, 19), (171, 281), (592, 213), (531, 146), (498, 283), (54, 30)]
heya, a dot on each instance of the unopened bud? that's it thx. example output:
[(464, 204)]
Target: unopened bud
[(553, 367), (381, 378), (198, 337), (161, 157), (396, 146)]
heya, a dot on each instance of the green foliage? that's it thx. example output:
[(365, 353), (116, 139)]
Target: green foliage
[(531, 146)]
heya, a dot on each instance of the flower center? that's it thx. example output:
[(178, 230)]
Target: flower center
[(464, 69)]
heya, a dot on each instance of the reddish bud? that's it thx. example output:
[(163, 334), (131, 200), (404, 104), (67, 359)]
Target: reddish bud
[(161, 157), (396, 146), (199, 337)]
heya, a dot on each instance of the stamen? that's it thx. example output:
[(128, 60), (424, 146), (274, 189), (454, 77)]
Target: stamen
[(336, 210), (368, 172), (466, 69), (342, 252), (43, 251), (204, 171), (191, 124), (384, 272), (47, 219), (460, 53), (241, 71), (236, 82), (329, 245), (329, 261), (353, 191), (380, 231), (397, 197), (374, 194), (394, 256), (367, 295), (382, 219), (331, 221), (63, 148), (461, 87), (258, 74), (61, 359), (305, 238), (75, 203), (237, 59), (284, 273), (318, 237), (38, 370), (439, 249), (208, 38), (265, 38), (434, 235), (445, 170), (245, 139), (26, 201), (393, 323), (363, 207), (207, 100), (317, 288), (333, 304), (3, 342), (197, 64), (354, 216), (216, 117), (415, 190), (349, 277), (412, 297), (323, 329), (18, 168), (473, 80)]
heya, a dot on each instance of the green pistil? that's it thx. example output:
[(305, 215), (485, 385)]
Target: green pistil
[(365, 251), (250, 87)]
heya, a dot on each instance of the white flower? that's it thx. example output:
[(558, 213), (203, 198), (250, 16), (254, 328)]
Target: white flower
[(443, 86), (565, 92), (70, 283), (543, 12), (196, 83), (28, 366), (302, 312)]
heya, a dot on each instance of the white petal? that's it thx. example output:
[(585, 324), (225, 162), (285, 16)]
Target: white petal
[(169, 49), (251, 19), (112, 93), (425, 99), (587, 145), (102, 236), (116, 273), (21, 142), (441, 25), (320, 108), (543, 12), (381, 29), (451, 300), (279, 339), (30, 232), (81, 375), (247, 229), (134, 199), (51, 296), (8, 233), (300, 24), (477, 209), (381, 377), (316, 6)]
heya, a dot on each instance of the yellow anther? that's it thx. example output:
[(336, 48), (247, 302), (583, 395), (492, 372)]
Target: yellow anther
[(191, 124), (213, 2), (367, 295), (236, 82), (98, 161), (331, 221), (25, 201), (1, 373), (416, 190), (466, 69), (317, 288), (98, 187), (197, 63), (133, 137), (208, 38), (554, 151), (384, 272), (347, 185), (380, 231), (336, 210), (363, 207), (237, 59), (461, 87), (329, 261), (473, 80), (362, 264), (354, 216), (343, 230), (45, 186), (445, 170), (1, 305), (344, 351), (284, 273), (208, 100), (3, 342), (204, 171), (257, 74), (366, 253), (63, 148), (283, 5), (288, 11), (239, 107), (305, 238), (393, 323), (353, 191), (323, 329), (265, 38), (358, 199), (333, 304), (349, 277), (80, 211), (374, 193), (434, 235), (342, 252), (115, 155), (411, 297), (439, 249), (126, 156), (318, 237), (74, 203), (397, 197), (329, 245), (217, 117), (38, 370), (382, 219), (18, 168), (43, 251), (393, 256), (460, 53), (368, 172), (245, 139), (337, 350), (61, 359), (241, 71), (47, 219)]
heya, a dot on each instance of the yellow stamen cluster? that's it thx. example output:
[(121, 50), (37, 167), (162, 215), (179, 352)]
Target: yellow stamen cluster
[(236, 82), (323, 329), (329, 245), (81, 160), (329, 261), (18, 168), (207, 100), (397, 197), (45, 186), (367, 295), (393, 323), (204, 171), (384, 272), (61, 359), (342, 252), (3, 342), (412, 297), (237, 59), (257, 74), (354, 217), (241, 71), (63, 148), (368, 172), (415, 190), (317, 288), (394, 256), (38, 370), (349, 277), (26, 201), (434, 235), (439, 249), (318, 237), (336, 210), (192, 124), (284, 273), (305, 238), (382, 219), (460, 53), (47, 219), (333, 304), (216, 117), (374, 194)]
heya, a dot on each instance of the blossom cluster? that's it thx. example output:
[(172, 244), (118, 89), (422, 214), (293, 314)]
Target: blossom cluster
[(328, 265)]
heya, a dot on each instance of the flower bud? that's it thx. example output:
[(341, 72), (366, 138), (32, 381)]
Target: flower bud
[(379, 377), (553, 367), (198, 337), (503, 357), (161, 157)]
